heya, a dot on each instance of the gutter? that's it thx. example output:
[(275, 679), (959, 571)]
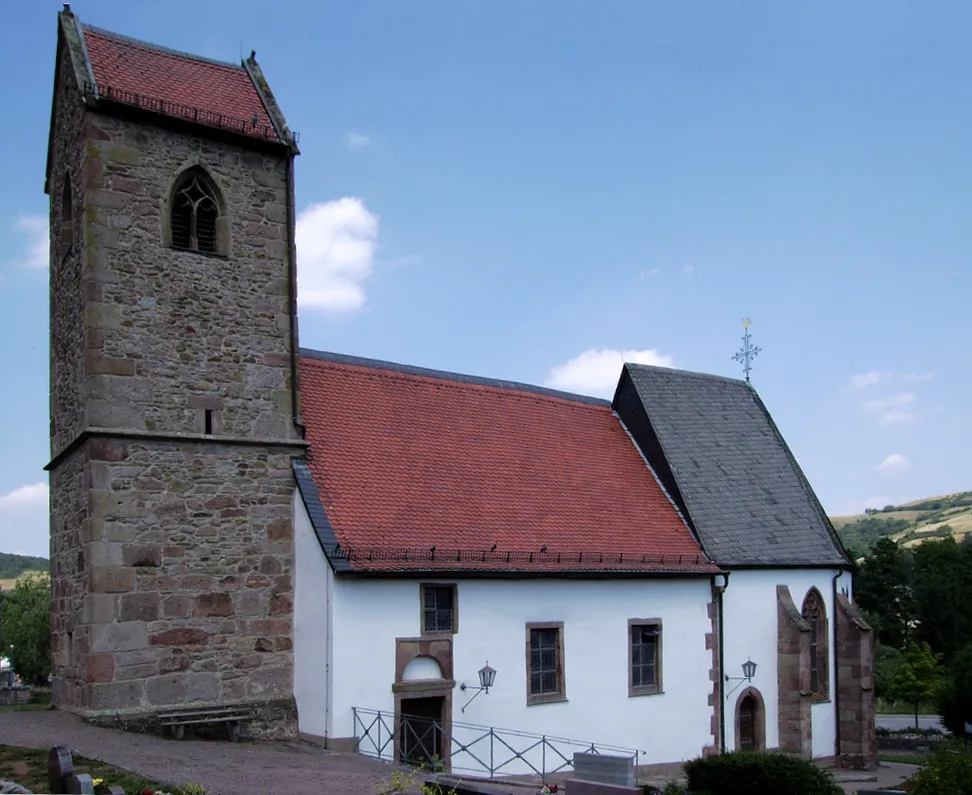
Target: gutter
[(834, 658)]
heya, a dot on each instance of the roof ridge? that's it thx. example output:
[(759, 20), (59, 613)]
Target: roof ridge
[(160, 48), (391, 368), (690, 373)]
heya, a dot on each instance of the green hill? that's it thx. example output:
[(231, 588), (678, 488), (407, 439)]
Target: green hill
[(12, 566), (908, 524)]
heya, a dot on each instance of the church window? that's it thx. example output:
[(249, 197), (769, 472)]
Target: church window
[(545, 663), (644, 657), (814, 613), (439, 613), (194, 214), (209, 422)]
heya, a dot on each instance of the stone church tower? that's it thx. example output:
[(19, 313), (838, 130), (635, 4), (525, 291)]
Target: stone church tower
[(173, 373)]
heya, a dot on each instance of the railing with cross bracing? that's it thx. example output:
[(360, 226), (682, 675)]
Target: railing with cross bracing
[(478, 750)]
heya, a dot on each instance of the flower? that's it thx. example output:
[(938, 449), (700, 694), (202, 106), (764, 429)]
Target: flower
[(98, 782)]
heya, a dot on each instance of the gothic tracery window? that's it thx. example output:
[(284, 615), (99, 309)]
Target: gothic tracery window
[(814, 614), (195, 210)]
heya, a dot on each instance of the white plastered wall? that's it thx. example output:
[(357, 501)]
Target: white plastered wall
[(750, 632)]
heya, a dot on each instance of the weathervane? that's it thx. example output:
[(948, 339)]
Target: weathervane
[(749, 351)]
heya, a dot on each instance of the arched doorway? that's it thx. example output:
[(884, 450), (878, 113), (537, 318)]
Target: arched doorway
[(750, 721)]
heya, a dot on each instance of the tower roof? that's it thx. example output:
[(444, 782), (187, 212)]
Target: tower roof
[(116, 72), (135, 72)]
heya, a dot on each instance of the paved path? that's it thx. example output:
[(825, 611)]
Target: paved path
[(893, 722), (888, 775), (223, 768)]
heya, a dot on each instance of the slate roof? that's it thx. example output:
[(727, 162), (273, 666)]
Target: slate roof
[(419, 470), (724, 461)]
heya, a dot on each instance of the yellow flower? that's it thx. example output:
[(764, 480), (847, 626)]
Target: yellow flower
[(98, 782)]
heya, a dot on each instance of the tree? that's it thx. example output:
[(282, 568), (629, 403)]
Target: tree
[(942, 582), (918, 677), (955, 696), (25, 632), (883, 588), (887, 661)]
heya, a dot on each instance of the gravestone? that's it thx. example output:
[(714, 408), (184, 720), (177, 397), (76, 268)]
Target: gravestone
[(80, 784), (60, 767), (62, 780)]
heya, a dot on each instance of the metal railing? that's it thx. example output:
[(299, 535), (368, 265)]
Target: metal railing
[(480, 750)]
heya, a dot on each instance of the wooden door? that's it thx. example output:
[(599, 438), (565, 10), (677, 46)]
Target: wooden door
[(421, 737), (747, 723)]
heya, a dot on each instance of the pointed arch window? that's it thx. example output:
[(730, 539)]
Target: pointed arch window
[(815, 614), (195, 214)]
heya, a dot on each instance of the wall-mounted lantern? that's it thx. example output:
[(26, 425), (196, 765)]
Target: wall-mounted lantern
[(749, 671), (487, 676)]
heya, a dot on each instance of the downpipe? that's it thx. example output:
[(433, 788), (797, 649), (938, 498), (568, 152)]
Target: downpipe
[(720, 611), (834, 659)]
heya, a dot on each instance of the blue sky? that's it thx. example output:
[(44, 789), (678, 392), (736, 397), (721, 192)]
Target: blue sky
[(527, 190)]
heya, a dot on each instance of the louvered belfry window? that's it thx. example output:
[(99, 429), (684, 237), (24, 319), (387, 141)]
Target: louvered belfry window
[(194, 214)]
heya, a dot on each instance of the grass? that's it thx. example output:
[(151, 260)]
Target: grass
[(39, 700), (924, 523), (28, 766)]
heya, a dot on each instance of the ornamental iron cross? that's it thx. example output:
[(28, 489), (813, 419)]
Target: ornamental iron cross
[(748, 352)]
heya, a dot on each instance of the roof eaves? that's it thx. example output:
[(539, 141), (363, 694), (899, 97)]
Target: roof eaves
[(521, 574), (318, 517), (376, 364)]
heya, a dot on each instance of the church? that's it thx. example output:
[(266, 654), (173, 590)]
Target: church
[(378, 557)]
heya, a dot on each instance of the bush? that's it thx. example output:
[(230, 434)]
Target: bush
[(946, 772), (758, 773)]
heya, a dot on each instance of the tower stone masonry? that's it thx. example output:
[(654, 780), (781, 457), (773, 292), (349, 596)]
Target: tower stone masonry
[(173, 374)]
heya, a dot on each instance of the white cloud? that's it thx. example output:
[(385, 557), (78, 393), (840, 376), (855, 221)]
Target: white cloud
[(358, 140), (894, 464), (647, 273), (596, 371), (36, 249), (24, 520), (893, 409), (862, 380), (688, 270), (872, 377), (336, 243)]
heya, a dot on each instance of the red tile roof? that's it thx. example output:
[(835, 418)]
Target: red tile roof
[(176, 83), (486, 474)]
